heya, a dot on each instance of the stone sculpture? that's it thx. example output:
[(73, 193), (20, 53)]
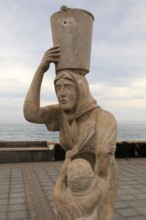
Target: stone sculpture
[(88, 181)]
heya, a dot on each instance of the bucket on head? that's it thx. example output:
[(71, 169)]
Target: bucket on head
[(72, 31)]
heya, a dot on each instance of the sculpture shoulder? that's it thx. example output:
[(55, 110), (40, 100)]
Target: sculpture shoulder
[(53, 108), (53, 119), (105, 117), (106, 128)]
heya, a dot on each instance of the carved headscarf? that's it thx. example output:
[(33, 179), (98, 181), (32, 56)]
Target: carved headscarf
[(85, 101), (73, 133)]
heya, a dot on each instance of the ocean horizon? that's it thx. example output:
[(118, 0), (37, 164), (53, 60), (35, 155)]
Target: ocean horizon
[(39, 132)]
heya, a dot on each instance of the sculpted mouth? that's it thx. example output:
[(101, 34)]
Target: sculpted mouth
[(63, 101)]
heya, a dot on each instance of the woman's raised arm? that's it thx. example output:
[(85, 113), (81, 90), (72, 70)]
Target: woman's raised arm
[(32, 110)]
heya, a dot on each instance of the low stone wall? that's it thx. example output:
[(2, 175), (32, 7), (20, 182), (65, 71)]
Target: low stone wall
[(125, 149), (26, 151), (36, 151), (130, 149)]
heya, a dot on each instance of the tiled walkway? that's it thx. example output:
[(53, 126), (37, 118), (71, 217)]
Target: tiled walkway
[(26, 190)]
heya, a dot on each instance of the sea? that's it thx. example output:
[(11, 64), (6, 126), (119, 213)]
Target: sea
[(37, 132)]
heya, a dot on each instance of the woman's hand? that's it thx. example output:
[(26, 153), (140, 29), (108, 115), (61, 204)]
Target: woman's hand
[(102, 150), (71, 153), (51, 56)]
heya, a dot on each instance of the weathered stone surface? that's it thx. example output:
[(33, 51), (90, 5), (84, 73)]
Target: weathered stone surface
[(79, 197), (88, 134), (70, 27)]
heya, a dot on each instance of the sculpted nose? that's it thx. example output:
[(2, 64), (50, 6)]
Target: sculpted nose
[(62, 92)]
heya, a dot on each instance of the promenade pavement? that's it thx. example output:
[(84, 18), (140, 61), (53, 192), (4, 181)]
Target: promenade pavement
[(26, 190)]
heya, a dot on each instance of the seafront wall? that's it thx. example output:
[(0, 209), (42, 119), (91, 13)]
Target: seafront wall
[(37, 151)]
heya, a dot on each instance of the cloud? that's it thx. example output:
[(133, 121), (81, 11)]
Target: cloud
[(117, 74), (135, 90)]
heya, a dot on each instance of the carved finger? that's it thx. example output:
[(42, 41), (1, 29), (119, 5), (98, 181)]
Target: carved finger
[(50, 55), (54, 48)]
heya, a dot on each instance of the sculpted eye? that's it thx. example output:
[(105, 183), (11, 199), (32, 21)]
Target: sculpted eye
[(69, 87), (58, 88)]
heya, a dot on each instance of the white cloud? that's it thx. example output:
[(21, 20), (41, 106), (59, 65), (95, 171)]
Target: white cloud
[(135, 89), (118, 67)]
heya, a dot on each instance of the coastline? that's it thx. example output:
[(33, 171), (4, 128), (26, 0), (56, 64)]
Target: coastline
[(39, 132)]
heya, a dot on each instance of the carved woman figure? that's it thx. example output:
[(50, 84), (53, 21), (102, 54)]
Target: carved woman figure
[(84, 126)]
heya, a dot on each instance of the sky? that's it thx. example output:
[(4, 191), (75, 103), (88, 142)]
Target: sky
[(117, 75)]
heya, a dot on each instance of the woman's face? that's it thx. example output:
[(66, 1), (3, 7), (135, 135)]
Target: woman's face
[(67, 93)]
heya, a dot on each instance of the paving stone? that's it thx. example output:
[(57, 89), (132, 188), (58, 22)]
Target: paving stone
[(4, 191), (120, 204), (132, 181), (19, 190), (4, 182), (17, 181), (3, 208), (141, 196), (18, 215), (126, 187), (46, 184), (133, 191), (5, 175), (128, 212), (118, 217), (121, 191), (20, 187), (142, 210), (136, 218), (3, 201), (4, 187), (3, 216), (17, 195), (17, 207), (144, 189), (17, 200), (127, 197), (136, 203), (4, 196), (140, 186)]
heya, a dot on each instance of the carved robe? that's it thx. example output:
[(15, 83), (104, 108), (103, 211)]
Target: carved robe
[(93, 131)]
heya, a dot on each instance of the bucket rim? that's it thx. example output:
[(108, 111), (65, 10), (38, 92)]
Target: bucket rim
[(65, 8)]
